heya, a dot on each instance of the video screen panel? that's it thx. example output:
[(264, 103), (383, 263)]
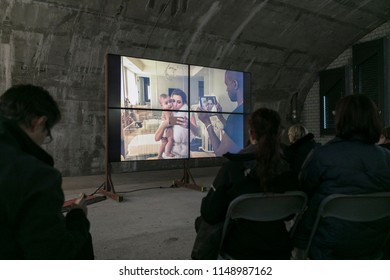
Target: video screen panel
[(163, 110)]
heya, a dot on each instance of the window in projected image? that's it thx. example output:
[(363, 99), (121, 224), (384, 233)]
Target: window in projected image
[(171, 111)]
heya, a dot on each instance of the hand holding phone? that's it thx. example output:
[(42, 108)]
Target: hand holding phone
[(81, 199), (173, 120), (182, 121), (79, 203)]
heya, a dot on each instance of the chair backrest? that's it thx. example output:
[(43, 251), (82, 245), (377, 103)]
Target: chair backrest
[(264, 207), (353, 208)]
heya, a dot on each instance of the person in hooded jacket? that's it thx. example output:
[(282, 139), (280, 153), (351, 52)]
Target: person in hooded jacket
[(31, 221), (301, 144), (257, 168), (351, 163)]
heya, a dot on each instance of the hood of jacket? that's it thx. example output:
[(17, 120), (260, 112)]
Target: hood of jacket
[(307, 138)]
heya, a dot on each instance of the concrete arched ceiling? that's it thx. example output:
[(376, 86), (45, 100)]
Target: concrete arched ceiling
[(282, 42), (61, 44)]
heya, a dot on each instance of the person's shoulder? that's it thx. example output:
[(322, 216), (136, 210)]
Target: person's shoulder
[(338, 146), (383, 149), (38, 162), (33, 176), (239, 109), (246, 154), (386, 146), (36, 167), (334, 142), (238, 163), (321, 151)]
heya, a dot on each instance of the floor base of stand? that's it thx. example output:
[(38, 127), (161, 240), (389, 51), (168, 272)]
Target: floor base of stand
[(179, 183), (111, 195)]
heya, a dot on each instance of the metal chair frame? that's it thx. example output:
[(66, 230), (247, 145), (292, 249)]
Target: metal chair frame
[(353, 208), (264, 207)]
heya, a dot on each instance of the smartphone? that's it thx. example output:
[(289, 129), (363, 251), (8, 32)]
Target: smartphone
[(173, 120), (208, 103)]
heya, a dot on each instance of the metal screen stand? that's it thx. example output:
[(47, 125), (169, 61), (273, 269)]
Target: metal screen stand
[(108, 186), (188, 180)]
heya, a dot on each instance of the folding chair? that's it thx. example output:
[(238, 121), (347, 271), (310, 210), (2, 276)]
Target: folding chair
[(353, 208), (263, 207)]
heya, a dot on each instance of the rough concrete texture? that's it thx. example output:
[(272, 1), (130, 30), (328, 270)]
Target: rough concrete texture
[(61, 45), (154, 221)]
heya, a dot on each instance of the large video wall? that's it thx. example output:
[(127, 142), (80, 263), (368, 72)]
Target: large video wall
[(163, 110)]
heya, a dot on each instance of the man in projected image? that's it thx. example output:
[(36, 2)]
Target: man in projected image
[(32, 225), (232, 138)]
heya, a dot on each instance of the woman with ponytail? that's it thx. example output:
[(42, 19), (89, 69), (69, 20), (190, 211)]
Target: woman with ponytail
[(257, 168)]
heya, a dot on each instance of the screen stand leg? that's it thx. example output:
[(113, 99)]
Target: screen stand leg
[(108, 187), (185, 181)]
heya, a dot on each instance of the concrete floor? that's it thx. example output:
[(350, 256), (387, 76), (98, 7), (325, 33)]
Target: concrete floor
[(154, 221)]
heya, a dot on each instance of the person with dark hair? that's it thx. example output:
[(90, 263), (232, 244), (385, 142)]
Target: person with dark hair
[(384, 140), (32, 225), (180, 128), (232, 140), (258, 168), (351, 163), (182, 98)]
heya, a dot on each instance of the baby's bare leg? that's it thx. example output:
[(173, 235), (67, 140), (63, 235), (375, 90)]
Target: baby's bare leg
[(169, 145), (161, 149)]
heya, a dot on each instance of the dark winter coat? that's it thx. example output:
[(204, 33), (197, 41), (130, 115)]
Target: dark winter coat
[(31, 223), (387, 146), (247, 240), (297, 152), (343, 167)]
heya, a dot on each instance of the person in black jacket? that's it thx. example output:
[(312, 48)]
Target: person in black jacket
[(302, 143), (351, 163), (257, 168), (32, 224)]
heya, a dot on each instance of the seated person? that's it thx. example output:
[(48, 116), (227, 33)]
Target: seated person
[(259, 168), (296, 132), (301, 144), (32, 225), (351, 163)]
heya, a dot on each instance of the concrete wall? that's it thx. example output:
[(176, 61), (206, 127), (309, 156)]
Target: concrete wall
[(61, 45), (311, 110)]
